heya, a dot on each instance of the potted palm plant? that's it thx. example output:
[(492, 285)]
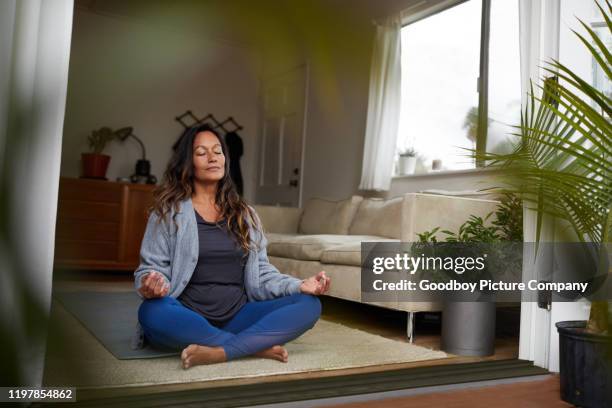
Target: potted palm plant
[(562, 167), (95, 163)]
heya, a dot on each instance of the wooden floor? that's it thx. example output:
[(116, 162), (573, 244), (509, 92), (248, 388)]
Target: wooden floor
[(372, 319), (540, 393)]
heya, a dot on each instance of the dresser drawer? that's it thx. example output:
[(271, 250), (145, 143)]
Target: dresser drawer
[(93, 190), (84, 251), (87, 230), (89, 211)]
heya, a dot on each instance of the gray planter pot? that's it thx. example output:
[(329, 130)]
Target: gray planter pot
[(468, 328)]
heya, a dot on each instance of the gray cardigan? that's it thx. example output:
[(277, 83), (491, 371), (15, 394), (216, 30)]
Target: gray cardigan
[(175, 254)]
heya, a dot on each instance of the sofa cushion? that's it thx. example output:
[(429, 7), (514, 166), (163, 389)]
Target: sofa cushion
[(279, 219), (346, 280), (310, 247), (348, 254), (322, 216), (376, 216)]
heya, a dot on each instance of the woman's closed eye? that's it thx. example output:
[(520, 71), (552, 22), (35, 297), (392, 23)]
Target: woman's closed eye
[(202, 152)]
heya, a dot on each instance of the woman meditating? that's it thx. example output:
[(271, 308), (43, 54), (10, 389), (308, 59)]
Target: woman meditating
[(208, 287)]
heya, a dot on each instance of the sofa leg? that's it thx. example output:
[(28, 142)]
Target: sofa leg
[(410, 327)]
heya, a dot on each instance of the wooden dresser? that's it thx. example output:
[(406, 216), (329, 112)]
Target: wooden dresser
[(100, 224)]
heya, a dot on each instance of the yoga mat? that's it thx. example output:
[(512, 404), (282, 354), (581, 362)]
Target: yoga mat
[(111, 317)]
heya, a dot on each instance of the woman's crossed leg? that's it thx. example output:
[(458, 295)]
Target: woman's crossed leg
[(259, 328)]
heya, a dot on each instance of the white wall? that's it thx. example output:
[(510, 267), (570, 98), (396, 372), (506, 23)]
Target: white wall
[(336, 127), (129, 71)]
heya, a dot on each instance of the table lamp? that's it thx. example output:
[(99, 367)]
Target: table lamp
[(143, 166)]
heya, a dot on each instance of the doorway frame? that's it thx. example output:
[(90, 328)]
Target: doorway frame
[(260, 125)]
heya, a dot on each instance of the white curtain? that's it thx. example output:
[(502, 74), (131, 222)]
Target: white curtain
[(383, 106), (34, 55), (539, 39), (539, 43)]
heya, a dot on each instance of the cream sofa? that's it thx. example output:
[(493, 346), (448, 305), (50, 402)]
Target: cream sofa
[(327, 235)]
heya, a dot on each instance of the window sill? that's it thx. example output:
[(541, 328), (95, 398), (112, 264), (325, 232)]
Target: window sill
[(447, 173)]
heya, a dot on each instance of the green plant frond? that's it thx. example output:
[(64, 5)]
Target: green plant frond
[(546, 193), (563, 129), (539, 200), (542, 114), (531, 151), (575, 215), (591, 132), (584, 156), (600, 98), (595, 37), (541, 150), (559, 69), (601, 48), (544, 118), (559, 185), (521, 164), (604, 14), (585, 87), (607, 231), (556, 196), (566, 97), (600, 128), (556, 212), (566, 182)]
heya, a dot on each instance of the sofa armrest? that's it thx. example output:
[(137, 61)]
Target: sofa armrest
[(424, 212), (283, 220)]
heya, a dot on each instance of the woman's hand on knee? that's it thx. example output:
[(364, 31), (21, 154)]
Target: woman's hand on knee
[(316, 285), (153, 285)]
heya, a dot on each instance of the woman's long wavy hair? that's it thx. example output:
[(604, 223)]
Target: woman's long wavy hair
[(178, 184)]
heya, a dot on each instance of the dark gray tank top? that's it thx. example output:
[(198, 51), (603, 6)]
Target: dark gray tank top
[(216, 289)]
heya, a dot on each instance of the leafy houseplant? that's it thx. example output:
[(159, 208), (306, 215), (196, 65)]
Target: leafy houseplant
[(509, 218), (468, 327), (408, 153), (562, 167), (95, 163), (407, 161)]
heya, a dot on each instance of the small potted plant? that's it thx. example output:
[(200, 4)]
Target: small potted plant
[(95, 163), (407, 161)]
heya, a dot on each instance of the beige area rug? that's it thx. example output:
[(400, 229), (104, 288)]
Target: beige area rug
[(76, 358)]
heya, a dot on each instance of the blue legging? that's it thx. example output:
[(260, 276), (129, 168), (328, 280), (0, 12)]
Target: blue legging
[(256, 327)]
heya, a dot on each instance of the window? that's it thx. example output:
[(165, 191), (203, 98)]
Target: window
[(441, 66), (601, 81), (504, 97), (572, 51)]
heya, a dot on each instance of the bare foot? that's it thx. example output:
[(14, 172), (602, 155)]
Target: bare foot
[(195, 354), (275, 353)]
